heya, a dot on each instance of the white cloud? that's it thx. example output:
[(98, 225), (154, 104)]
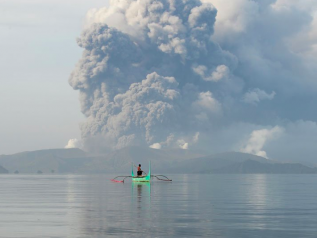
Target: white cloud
[(258, 139), (207, 104), (304, 43), (157, 146), (233, 16), (74, 143), (217, 74), (182, 144), (256, 95), (185, 146), (297, 143)]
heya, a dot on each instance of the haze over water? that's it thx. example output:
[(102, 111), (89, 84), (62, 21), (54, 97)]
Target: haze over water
[(190, 206)]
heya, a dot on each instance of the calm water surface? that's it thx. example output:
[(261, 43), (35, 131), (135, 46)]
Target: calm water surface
[(235, 206)]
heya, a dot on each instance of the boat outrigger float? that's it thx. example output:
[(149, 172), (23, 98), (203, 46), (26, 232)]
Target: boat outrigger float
[(144, 178)]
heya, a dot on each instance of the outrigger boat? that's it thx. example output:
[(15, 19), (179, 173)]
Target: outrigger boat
[(144, 178)]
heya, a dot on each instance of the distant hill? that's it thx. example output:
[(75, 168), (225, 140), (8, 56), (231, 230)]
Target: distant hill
[(3, 170), (255, 167), (214, 162), (57, 160), (162, 161), (239, 163), (78, 161)]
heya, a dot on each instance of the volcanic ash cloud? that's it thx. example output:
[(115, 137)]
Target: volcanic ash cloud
[(148, 74)]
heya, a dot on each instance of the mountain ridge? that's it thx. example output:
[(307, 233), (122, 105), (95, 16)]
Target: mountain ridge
[(76, 161)]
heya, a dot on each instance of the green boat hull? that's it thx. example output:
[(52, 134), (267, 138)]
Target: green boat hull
[(146, 178)]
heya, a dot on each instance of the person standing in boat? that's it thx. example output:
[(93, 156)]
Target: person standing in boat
[(139, 172)]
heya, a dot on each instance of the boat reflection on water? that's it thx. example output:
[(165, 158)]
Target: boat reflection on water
[(141, 198)]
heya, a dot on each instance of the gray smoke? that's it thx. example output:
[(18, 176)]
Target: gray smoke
[(181, 73), (152, 81)]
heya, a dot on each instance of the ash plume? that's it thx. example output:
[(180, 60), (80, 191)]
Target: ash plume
[(207, 74), (151, 76)]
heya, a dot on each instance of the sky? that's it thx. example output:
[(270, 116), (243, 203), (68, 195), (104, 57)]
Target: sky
[(39, 110), (212, 75)]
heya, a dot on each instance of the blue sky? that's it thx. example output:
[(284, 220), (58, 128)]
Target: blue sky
[(38, 52)]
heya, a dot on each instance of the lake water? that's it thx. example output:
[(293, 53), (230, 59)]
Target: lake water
[(228, 206)]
